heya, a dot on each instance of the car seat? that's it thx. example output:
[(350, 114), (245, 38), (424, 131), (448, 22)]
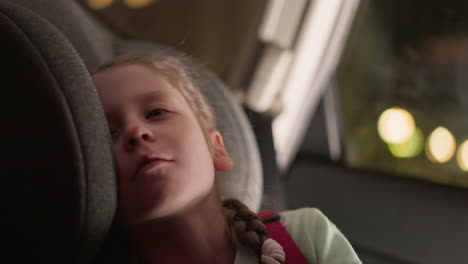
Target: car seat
[(59, 187)]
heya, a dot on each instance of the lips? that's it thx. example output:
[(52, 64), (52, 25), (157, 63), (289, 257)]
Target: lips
[(149, 161)]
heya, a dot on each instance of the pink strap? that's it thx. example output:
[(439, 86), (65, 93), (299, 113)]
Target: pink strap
[(278, 232)]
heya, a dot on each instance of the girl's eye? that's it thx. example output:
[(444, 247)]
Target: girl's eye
[(155, 113)]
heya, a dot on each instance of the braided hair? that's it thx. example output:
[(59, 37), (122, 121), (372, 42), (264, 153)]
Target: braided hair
[(244, 227)]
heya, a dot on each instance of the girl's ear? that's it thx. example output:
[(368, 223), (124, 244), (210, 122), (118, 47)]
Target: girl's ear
[(221, 159)]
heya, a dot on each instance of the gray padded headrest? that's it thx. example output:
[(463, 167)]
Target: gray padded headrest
[(56, 163), (96, 45), (92, 42)]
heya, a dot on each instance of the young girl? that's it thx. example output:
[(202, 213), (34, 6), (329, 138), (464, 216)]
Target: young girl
[(167, 151)]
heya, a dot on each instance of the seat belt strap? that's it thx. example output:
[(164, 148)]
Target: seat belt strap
[(278, 232)]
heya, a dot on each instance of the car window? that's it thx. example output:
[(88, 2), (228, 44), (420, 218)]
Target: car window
[(402, 87)]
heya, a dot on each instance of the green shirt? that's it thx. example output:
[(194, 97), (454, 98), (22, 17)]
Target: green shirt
[(318, 238)]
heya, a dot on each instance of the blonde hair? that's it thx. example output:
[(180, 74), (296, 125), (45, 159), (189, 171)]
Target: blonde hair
[(244, 227)]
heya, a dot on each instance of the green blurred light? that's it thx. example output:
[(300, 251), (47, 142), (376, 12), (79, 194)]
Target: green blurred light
[(409, 148)]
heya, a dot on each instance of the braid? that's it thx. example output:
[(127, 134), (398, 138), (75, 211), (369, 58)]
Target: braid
[(244, 227)]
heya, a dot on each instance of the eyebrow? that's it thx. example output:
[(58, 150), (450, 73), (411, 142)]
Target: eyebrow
[(141, 99), (149, 97)]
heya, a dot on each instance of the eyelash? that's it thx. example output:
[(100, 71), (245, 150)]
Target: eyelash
[(152, 113)]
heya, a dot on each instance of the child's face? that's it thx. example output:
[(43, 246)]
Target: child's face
[(163, 160)]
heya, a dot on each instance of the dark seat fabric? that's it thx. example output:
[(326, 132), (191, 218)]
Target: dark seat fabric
[(56, 158)]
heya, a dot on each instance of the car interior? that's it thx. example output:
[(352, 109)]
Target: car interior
[(59, 195)]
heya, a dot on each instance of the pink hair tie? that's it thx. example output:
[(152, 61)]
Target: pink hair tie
[(272, 252)]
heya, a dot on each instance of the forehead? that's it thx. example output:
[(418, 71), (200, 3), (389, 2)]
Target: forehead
[(138, 76), (131, 80)]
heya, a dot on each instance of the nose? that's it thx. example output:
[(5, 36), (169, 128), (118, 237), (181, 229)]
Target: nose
[(136, 135)]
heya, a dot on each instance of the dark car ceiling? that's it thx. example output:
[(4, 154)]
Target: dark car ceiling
[(221, 34)]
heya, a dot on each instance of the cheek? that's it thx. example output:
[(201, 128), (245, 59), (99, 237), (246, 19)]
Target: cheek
[(122, 166), (203, 161), (192, 144)]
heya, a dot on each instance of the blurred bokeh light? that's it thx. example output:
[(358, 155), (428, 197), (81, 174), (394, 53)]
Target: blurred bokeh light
[(410, 148), (440, 145), (396, 125), (462, 156), (137, 3), (99, 4)]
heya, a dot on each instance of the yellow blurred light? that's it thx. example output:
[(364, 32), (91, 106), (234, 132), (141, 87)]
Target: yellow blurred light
[(137, 3), (410, 148), (99, 4), (440, 145), (462, 156), (395, 125)]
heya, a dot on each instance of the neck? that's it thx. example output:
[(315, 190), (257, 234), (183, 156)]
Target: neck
[(196, 236)]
